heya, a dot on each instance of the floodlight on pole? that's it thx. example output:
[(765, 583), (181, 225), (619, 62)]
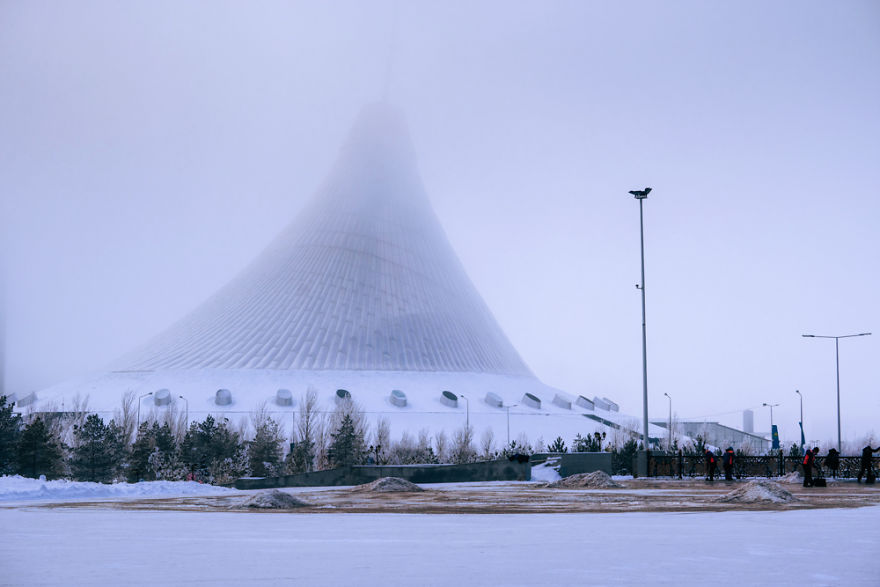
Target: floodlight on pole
[(837, 363), (771, 406), (641, 195)]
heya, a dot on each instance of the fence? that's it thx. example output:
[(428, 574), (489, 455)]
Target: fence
[(747, 466)]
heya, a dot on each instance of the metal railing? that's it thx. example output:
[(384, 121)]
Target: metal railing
[(749, 466)]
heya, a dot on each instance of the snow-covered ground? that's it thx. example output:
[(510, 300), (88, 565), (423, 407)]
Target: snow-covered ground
[(107, 547), (17, 488)]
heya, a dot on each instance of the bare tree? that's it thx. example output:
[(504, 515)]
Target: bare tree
[(462, 445), (126, 416), (381, 441), (487, 443), (441, 443)]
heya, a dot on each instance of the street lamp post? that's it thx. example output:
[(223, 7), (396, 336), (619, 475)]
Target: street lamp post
[(641, 195), (669, 430), (139, 412), (467, 407), (837, 363), (771, 406), (801, 423), (508, 422)]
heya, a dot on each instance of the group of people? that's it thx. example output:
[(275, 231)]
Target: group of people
[(832, 462), (726, 461)]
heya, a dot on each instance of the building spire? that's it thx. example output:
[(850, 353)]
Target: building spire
[(392, 46)]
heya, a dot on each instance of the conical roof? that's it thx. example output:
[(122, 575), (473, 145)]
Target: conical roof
[(364, 279)]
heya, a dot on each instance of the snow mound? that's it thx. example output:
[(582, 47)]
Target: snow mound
[(793, 477), (273, 500), (757, 492), (596, 479), (18, 488), (389, 485), (545, 472)]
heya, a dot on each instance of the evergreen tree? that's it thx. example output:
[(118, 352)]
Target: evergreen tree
[(213, 452), (39, 453), (154, 453), (588, 443), (264, 451), (558, 445), (347, 446), (10, 431), (139, 457), (99, 452)]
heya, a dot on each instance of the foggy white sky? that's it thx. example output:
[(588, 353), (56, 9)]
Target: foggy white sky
[(151, 150)]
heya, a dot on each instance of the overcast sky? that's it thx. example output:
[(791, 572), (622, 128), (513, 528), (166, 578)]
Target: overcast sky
[(149, 151)]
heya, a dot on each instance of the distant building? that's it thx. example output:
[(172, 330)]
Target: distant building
[(720, 435), (361, 297), (749, 421)]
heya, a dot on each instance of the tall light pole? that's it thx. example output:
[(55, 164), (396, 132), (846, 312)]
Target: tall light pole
[(669, 430), (508, 422), (467, 407), (771, 406), (641, 195), (139, 413), (837, 362), (801, 423)]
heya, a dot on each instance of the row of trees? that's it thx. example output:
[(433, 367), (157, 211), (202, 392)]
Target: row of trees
[(81, 445)]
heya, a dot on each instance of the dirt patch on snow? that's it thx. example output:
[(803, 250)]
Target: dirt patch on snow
[(757, 492), (273, 500), (594, 480), (389, 485)]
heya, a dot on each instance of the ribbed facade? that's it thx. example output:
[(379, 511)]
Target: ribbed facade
[(364, 279)]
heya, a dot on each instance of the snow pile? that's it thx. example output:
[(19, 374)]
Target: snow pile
[(793, 477), (596, 479), (273, 500), (546, 472), (389, 485), (758, 491), (17, 488)]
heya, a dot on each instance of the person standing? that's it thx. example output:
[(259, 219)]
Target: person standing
[(728, 464), (867, 453), (809, 459), (711, 464), (832, 461)]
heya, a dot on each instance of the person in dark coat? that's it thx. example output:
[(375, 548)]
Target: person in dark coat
[(711, 464), (727, 462), (809, 459), (867, 453), (832, 461)]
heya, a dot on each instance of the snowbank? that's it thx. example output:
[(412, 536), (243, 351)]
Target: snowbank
[(18, 488), (545, 472), (273, 500), (596, 479), (758, 491), (389, 485)]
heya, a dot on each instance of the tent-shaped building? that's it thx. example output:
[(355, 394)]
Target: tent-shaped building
[(361, 296)]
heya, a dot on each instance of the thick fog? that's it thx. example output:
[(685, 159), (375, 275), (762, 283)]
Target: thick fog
[(151, 150)]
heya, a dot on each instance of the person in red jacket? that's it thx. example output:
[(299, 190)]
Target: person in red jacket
[(727, 461), (711, 464), (809, 459)]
